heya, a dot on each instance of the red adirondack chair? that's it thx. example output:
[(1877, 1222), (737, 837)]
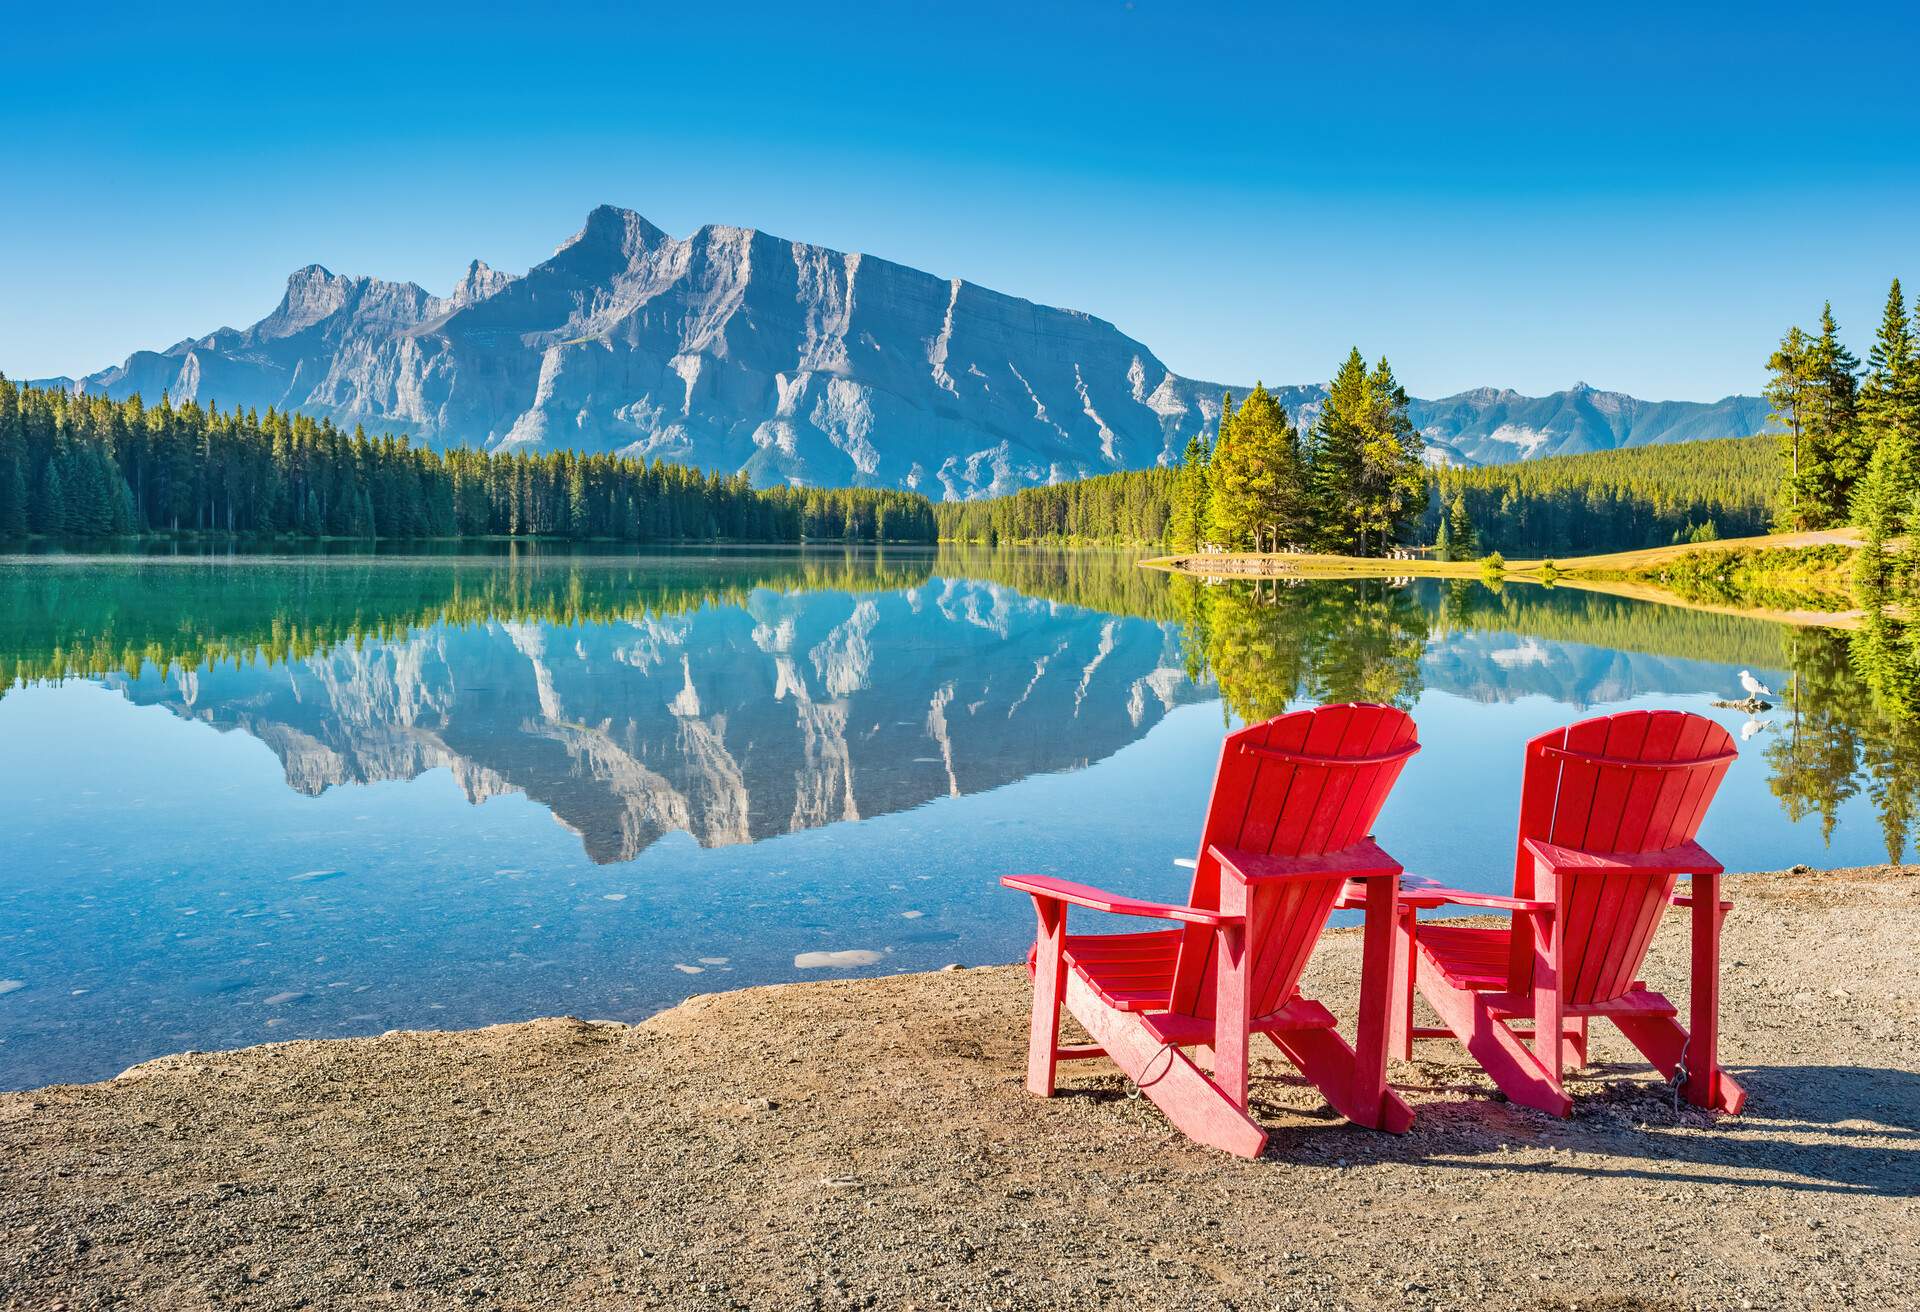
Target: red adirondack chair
[(1608, 811), (1287, 827)]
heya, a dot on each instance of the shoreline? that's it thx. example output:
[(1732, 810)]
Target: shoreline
[(869, 1143), (1625, 574)]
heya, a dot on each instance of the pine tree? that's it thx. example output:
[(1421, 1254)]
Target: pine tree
[(1443, 539), (89, 512), (1873, 509), (577, 515), (1892, 384), (1216, 530), (50, 507), (1336, 456), (1910, 561), (1889, 408), (122, 519), (1787, 395), (1187, 516), (1259, 479), (1835, 456), (13, 501), (1393, 485), (1460, 524)]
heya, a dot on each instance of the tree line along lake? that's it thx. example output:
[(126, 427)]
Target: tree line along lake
[(248, 798)]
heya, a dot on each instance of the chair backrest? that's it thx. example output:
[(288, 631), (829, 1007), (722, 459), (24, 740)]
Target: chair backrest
[(1635, 782), (1300, 784)]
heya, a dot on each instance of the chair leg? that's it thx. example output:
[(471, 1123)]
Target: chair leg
[(1166, 1075), (1405, 963), (1230, 1036), (1663, 1042), (1049, 987), (1577, 1039), (1549, 1018), (1704, 1077), (1329, 1064), (1661, 1039), (1515, 1068)]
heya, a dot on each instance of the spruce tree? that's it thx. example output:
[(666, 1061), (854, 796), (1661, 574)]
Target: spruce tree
[(1216, 529), (1787, 392), (1889, 408), (1393, 485), (123, 519), (1835, 456), (1259, 480), (1187, 516), (1910, 561), (1460, 523), (1892, 385), (89, 512), (1873, 510), (13, 501), (577, 514), (1336, 456), (50, 507)]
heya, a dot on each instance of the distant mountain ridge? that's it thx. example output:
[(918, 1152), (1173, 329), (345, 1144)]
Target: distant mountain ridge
[(732, 349)]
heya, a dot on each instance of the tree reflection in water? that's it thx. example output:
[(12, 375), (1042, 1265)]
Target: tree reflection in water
[(1850, 713), (1265, 642), (1852, 724)]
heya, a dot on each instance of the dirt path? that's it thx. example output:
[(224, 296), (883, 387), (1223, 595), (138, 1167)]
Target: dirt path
[(868, 1144)]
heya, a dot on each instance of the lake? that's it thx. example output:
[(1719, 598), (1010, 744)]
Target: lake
[(251, 799)]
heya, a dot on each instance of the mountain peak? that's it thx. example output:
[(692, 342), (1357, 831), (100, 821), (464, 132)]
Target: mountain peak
[(611, 229), (481, 281), (313, 292)]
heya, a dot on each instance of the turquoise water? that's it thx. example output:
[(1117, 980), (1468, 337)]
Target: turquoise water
[(244, 801)]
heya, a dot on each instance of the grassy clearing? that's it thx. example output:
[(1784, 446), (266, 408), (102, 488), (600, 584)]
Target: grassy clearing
[(1620, 564), (1799, 578)]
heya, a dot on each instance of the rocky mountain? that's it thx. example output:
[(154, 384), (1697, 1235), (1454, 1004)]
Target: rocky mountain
[(733, 349), (1489, 426)]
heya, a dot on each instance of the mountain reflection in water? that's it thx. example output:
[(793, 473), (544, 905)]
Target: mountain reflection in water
[(734, 723), (740, 696)]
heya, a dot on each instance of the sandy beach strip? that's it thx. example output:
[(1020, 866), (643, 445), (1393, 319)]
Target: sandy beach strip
[(867, 1143)]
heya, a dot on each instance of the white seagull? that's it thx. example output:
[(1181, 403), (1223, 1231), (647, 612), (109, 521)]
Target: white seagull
[(1754, 687)]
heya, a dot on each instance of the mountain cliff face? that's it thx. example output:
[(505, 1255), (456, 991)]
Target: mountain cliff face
[(1490, 426), (733, 349)]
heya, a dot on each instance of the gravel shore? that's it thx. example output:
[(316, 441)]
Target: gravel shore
[(868, 1144)]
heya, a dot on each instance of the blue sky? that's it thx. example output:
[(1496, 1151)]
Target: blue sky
[(1640, 197)]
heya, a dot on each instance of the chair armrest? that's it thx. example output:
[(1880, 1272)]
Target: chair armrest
[(1686, 859), (1084, 895), (1416, 891), (1687, 899), (1361, 860)]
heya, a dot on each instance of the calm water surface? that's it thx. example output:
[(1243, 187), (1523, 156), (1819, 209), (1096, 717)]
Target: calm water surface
[(245, 800)]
